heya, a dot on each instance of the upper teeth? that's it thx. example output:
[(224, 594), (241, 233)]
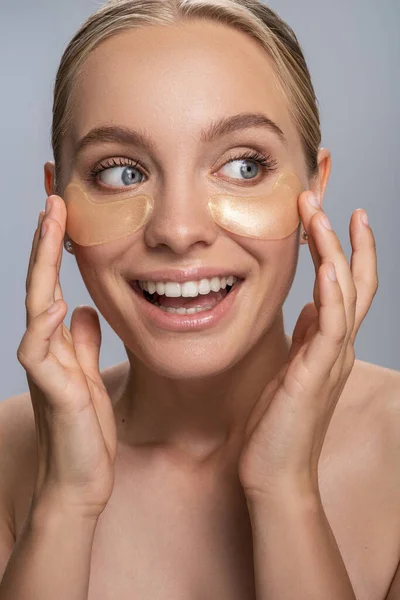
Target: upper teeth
[(189, 289)]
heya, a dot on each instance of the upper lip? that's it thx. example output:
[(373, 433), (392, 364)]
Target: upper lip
[(189, 274)]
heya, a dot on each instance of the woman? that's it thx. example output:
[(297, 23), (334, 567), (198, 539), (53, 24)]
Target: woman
[(214, 462)]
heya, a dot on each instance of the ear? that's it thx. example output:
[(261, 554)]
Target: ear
[(318, 185), (320, 181), (49, 178)]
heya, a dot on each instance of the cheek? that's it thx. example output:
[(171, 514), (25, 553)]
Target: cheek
[(100, 270), (283, 259), (104, 285), (277, 263), (274, 255)]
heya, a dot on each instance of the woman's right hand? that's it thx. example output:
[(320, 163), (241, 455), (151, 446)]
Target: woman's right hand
[(74, 417)]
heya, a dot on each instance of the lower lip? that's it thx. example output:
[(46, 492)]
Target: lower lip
[(197, 321)]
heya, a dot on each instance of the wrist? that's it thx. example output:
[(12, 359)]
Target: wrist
[(46, 513), (290, 492)]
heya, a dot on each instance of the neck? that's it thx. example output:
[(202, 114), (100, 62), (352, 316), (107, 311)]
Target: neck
[(197, 416)]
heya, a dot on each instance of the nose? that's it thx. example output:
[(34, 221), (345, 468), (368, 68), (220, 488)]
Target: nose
[(180, 220)]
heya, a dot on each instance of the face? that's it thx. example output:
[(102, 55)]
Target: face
[(172, 84)]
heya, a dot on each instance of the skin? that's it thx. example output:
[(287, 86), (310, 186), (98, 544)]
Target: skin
[(161, 422), (172, 369)]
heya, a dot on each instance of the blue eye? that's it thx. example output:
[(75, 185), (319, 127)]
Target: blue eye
[(245, 171), (122, 172), (117, 173), (265, 163)]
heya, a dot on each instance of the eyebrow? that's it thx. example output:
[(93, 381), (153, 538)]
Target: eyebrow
[(218, 128)]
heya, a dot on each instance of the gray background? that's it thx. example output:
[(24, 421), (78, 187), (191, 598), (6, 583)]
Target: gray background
[(353, 52)]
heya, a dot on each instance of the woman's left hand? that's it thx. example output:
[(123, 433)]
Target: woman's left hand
[(287, 426)]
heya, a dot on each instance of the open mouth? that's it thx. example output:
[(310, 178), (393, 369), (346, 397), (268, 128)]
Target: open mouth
[(178, 304)]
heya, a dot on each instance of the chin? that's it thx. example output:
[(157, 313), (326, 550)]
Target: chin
[(180, 359)]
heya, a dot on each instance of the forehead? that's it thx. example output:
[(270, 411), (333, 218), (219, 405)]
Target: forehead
[(175, 79)]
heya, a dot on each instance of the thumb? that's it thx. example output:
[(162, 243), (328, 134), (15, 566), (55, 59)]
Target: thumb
[(86, 335)]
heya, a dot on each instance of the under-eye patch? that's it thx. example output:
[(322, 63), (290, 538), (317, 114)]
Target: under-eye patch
[(273, 215), (268, 216), (92, 223)]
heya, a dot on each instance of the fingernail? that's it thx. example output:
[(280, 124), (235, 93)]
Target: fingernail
[(325, 222), (48, 205), (363, 216), (313, 200)]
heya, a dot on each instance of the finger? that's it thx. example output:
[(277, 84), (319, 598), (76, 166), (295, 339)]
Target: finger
[(58, 293), (307, 317), (35, 242), (86, 335), (49, 371), (330, 250), (363, 266), (34, 347), (327, 344), (316, 258), (62, 218), (40, 295), (308, 207), (316, 293), (59, 212)]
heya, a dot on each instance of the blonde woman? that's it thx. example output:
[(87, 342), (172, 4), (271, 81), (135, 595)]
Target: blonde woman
[(223, 459)]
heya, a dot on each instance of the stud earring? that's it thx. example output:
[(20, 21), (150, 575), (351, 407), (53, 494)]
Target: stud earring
[(68, 247), (305, 235)]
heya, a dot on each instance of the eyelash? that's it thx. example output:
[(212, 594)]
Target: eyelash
[(267, 163)]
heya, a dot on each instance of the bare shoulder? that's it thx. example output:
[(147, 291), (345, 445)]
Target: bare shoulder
[(359, 477), (376, 390), (383, 400), (370, 405), (365, 431)]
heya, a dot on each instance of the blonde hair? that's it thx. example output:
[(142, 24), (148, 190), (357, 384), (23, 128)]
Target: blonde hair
[(249, 16)]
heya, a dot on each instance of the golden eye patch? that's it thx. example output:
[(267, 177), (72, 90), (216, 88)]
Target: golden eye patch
[(271, 216), (268, 216), (92, 223)]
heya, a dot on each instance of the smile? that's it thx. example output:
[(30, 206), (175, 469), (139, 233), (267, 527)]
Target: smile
[(188, 305)]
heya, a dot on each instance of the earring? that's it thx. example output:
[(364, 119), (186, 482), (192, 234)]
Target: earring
[(68, 247), (305, 235)]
